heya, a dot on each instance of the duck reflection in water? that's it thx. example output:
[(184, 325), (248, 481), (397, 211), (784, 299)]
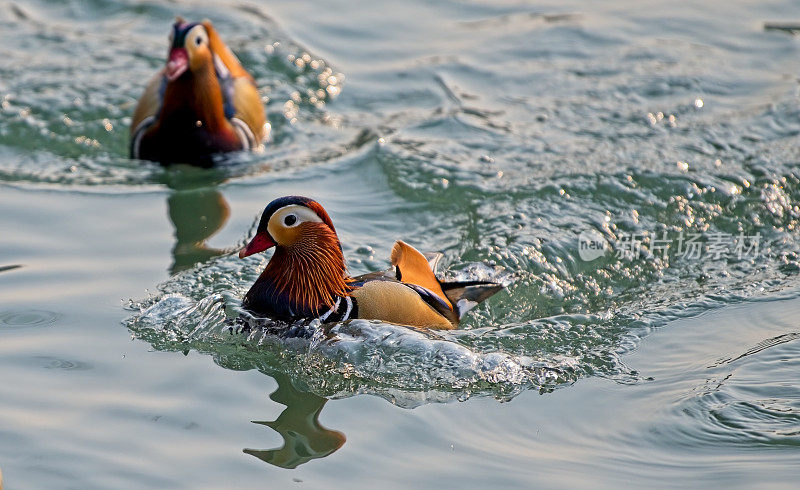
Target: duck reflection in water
[(304, 438), (197, 210)]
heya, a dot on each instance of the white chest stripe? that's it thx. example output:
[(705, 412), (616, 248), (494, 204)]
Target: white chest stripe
[(332, 312), (244, 132), (349, 308), (335, 307), (139, 133)]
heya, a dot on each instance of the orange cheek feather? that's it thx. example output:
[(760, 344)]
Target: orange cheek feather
[(199, 58)]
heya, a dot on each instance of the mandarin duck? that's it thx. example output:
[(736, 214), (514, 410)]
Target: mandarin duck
[(306, 278), (201, 103)]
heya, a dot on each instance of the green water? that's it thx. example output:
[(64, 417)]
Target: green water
[(495, 132)]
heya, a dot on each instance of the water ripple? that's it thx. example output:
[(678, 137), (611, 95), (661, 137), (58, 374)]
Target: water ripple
[(738, 406), (27, 318)]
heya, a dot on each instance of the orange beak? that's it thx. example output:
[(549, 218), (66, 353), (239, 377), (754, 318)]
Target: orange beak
[(177, 63), (262, 241)]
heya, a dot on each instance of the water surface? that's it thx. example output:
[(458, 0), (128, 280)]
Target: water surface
[(495, 132)]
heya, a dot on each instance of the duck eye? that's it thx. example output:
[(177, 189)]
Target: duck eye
[(290, 220), (198, 40)]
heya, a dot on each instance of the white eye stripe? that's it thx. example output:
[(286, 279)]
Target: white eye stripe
[(301, 214), (197, 35)]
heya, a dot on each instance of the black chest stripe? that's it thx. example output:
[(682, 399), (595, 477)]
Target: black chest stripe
[(345, 308)]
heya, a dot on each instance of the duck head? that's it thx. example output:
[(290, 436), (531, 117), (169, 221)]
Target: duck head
[(307, 271), (189, 49)]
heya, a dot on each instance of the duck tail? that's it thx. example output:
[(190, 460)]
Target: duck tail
[(465, 295)]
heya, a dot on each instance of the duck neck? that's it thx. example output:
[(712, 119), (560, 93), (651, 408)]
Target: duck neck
[(302, 281)]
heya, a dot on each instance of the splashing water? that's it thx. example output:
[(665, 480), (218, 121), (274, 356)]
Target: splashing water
[(404, 365)]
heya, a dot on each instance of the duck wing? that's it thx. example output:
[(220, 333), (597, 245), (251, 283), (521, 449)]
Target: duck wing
[(387, 275), (433, 259), (390, 300), (242, 100), (147, 110), (412, 267), (416, 271)]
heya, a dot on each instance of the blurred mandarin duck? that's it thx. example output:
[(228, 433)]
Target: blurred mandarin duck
[(201, 103), (307, 277)]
